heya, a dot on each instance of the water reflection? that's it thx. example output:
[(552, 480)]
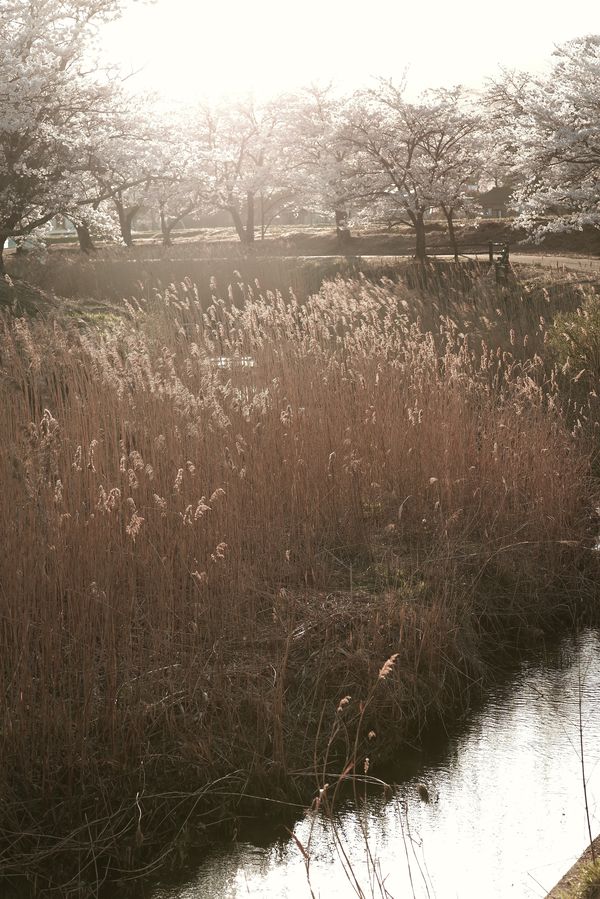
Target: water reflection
[(506, 819)]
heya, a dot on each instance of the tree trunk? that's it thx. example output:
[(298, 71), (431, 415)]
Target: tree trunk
[(421, 246), (86, 244), (121, 213), (126, 218), (165, 230), (249, 217), (238, 223), (127, 225), (263, 227), (3, 238), (449, 213), (341, 226)]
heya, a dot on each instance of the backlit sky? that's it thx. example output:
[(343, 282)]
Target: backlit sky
[(191, 48)]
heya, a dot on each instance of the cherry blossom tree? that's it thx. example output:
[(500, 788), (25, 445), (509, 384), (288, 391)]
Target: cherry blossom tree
[(48, 100), (322, 162), (454, 155), (239, 162), (124, 159), (413, 155), (553, 125), (175, 190)]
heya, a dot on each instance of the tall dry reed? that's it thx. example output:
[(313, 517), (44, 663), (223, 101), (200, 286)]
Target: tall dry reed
[(216, 521)]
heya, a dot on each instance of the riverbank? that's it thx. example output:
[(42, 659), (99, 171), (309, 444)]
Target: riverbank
[(220, 523), (570, 886), (504, 811)]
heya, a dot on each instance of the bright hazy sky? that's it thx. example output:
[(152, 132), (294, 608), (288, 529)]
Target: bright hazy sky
[(191, 48)]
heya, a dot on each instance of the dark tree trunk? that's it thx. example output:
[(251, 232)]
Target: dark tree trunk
[(249, 217), (130, 216), (449, 213), (3, 238), (121, 213), (165, 230), (86, 244), (341, 226), (238, 223), (245, 234), (421, 243), (126, 217)]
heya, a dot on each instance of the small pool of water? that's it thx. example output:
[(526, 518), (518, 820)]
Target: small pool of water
[(506, 816)]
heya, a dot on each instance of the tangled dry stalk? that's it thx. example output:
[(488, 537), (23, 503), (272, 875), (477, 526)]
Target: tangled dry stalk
[(218, 522)]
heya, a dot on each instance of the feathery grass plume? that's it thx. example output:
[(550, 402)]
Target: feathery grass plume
[(388, 666)]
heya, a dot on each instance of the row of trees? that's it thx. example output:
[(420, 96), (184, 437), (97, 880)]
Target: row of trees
[(74, 142)]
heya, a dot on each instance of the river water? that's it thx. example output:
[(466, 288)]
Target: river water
[(506, 816)]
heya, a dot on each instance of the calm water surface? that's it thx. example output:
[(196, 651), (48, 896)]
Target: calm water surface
[(507, 815)]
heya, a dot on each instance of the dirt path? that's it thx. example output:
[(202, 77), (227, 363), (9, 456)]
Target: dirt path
[(566, 263), (562, 263)]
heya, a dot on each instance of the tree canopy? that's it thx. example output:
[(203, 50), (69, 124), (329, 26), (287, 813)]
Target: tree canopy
[(74, 142)]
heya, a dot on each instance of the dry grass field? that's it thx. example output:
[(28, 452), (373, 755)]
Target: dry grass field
[(221, 519)]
